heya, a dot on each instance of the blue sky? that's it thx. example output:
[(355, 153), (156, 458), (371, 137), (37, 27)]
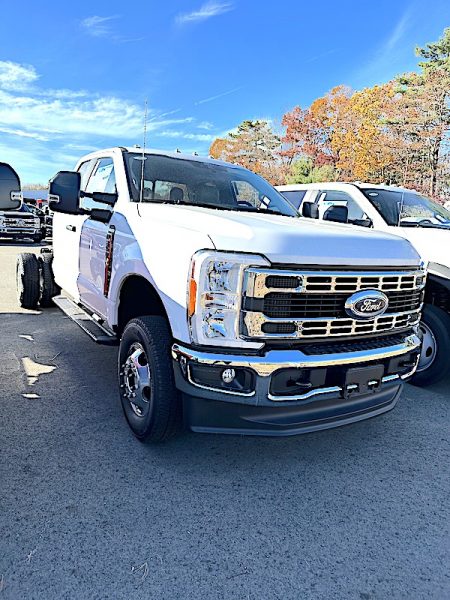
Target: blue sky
[(74, 76)]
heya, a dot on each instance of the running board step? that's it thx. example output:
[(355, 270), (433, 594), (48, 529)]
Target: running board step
[(88, 324)]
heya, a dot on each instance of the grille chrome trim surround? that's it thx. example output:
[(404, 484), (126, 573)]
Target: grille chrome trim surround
[(312, 280), (311, 328), (331, 282)]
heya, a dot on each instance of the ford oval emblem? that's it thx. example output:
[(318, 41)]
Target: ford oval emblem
[(366, 305)]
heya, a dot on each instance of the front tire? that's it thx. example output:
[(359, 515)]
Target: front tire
[(27, 278), (150, 400), (435, 354)]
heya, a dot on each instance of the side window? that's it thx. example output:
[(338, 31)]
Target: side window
[(84, 169), (339, 198), (102, 179), (246, 194)]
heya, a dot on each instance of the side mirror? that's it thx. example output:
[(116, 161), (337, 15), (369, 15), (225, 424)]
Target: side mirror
[(337, 214), (310, 210), (10, 194), (64, 193), (363, 222), (101, 214)]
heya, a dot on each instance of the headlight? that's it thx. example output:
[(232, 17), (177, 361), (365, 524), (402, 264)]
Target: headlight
[(215, 294)]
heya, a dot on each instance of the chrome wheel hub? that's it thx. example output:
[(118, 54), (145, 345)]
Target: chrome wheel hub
[(429, 348), (135, 379)]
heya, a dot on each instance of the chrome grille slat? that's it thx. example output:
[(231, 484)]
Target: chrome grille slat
[(403, 287)]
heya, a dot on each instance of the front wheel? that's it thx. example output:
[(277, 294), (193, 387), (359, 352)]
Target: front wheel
[(435, 353), (150, 400)]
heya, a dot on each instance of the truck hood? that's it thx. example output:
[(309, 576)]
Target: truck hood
[(287, 240), (432, 244)]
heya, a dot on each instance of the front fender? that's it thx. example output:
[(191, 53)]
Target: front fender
[(163, 259)]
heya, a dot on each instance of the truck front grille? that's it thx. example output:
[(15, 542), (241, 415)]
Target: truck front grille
[(294, 306), (19, 223), (303, 304)]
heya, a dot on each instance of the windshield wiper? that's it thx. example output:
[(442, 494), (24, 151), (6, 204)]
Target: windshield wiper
[(234, 208), (427, 225), (262, 211), (251, 209)]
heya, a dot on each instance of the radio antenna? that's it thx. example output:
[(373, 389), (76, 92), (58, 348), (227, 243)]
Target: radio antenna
[(141, 196)]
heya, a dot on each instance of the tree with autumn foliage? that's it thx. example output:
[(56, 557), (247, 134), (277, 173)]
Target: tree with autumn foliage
[(309, 132), (397, 132), (424, 114), (254, 145)]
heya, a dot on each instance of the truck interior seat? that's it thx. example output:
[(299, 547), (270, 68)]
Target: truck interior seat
[(176, 195)]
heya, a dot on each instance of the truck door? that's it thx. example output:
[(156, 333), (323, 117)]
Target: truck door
[(66, 243), (93, 241)]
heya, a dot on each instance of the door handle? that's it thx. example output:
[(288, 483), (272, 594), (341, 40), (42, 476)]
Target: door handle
[(71, 227)]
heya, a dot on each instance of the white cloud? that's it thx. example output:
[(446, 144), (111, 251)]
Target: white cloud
[(388, 59), (34, 161), (205, 125), (103, 116), (206, 11), (319, 56), (198, 137), (16, 77), (397, 33), (64, 94), (98, 26), (42, 129), (21, 133), (81, 147), (217, 96)]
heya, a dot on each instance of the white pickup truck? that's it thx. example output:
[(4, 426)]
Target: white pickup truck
[(231, 314), (410, 215)]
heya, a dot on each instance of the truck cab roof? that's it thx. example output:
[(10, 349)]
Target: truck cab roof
[(158, 152), (341, 185)]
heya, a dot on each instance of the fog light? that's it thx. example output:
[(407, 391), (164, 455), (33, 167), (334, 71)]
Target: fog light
[(228, 375)]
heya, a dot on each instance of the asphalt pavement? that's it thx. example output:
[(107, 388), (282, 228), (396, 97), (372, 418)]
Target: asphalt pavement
[(86, 511)]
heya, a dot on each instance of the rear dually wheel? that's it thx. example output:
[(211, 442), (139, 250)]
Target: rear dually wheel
[(27, 280)]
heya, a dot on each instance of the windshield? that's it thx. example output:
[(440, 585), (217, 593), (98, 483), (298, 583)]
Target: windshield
[(408, 209), (171, 180)]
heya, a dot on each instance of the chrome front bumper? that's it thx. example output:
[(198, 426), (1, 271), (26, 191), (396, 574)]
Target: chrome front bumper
[(266, 365)]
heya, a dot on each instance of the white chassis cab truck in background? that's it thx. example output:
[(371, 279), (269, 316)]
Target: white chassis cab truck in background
[(412, 216), (231, 314)]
